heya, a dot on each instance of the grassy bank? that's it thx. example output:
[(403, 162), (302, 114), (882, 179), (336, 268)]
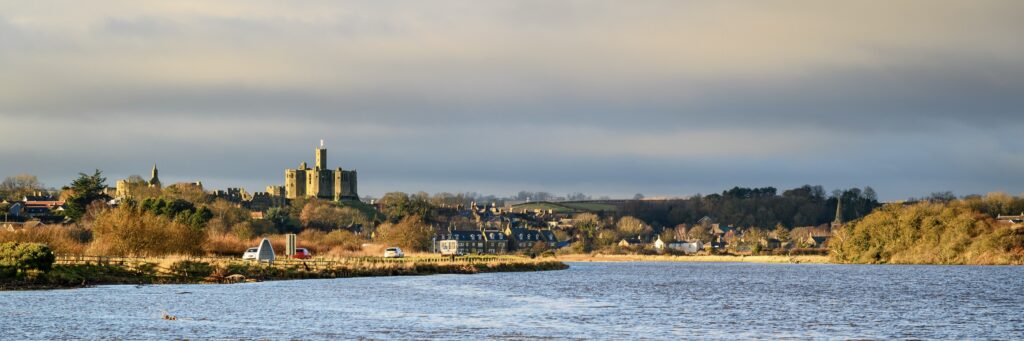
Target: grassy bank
[(89, 271), (709, 258)]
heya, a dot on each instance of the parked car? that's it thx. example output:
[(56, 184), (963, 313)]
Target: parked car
[(393, 252), (302, 253), (250, 254)]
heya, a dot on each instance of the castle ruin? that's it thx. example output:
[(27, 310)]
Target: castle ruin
[(319, 181)]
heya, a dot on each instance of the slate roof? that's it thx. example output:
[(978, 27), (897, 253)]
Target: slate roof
[(720, 228), (494, 235), (632, 241), (465, 235), (521, 234), (548, 235)]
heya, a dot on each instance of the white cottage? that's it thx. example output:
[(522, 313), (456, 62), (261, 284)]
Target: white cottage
[(658, 244), (687, 247)]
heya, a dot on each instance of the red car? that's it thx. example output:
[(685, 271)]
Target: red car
[(302, 253)]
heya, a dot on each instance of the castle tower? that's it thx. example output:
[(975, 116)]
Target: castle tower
[(154, 180), (320, 180), (295, 182), (321, 156)]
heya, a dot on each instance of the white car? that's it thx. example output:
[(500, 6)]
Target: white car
[(250, 254), (393, 252)]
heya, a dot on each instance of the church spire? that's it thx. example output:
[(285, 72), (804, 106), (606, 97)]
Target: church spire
[(839, 211), (154, 180)]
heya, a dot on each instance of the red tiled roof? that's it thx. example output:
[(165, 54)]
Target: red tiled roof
[(48, 204)]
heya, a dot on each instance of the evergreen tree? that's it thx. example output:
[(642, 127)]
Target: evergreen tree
[(85, 190)]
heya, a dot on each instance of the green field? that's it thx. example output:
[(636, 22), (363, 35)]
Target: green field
[(567, 207)]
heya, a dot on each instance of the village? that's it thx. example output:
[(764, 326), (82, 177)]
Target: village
[(324, 199), (321, 203), (489, 229)]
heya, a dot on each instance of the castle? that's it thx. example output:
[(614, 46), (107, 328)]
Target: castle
[(124, 186), (319, 181)]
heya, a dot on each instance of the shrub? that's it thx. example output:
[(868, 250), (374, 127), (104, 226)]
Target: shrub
[(325, 215), (338, 240), (61, 239), (409, 234), (129, 232), (927, 233), (191, 269), (227, 245), (756, 249), (16, 256), (574, 248)]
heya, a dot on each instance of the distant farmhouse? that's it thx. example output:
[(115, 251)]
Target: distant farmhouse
[(319, 181)]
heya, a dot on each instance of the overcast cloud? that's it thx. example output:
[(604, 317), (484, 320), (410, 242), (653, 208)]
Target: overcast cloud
[(601, 97)]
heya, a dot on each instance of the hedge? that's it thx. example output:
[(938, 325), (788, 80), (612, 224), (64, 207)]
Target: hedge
[(15, 256)]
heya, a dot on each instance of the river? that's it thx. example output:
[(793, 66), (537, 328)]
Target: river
[(588, 301)]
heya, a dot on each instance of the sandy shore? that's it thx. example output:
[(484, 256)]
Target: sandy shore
[(716, 258)]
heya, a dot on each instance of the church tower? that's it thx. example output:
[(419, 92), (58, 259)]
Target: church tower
[(154, 180), (839, 213)]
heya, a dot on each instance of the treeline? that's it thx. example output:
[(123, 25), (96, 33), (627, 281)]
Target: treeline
[(17, 186), (186, 221), (957, 231), (761, 207)]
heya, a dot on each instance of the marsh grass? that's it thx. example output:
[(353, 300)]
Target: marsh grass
[(189, 269), (704, 258)]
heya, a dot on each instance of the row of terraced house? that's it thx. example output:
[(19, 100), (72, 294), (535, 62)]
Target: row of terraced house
[(494, 241)]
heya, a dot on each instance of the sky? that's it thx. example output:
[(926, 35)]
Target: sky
[(664, 98)]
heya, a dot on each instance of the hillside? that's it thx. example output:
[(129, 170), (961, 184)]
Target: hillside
[(567, 206)]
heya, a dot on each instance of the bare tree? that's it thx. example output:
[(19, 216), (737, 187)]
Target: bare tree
[(16, 186)]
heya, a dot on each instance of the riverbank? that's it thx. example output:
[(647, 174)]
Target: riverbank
[(141, 271), (704, 258)]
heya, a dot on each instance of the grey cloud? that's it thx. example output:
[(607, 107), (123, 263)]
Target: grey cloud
[(593, 96)]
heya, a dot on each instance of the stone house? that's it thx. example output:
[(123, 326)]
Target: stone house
[(470, 242), (631, 242), (817, 242), (770, 243), (495, 242), (525, 239), (475, 242)]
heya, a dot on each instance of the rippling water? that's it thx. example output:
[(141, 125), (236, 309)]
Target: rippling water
[(588, 301)]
